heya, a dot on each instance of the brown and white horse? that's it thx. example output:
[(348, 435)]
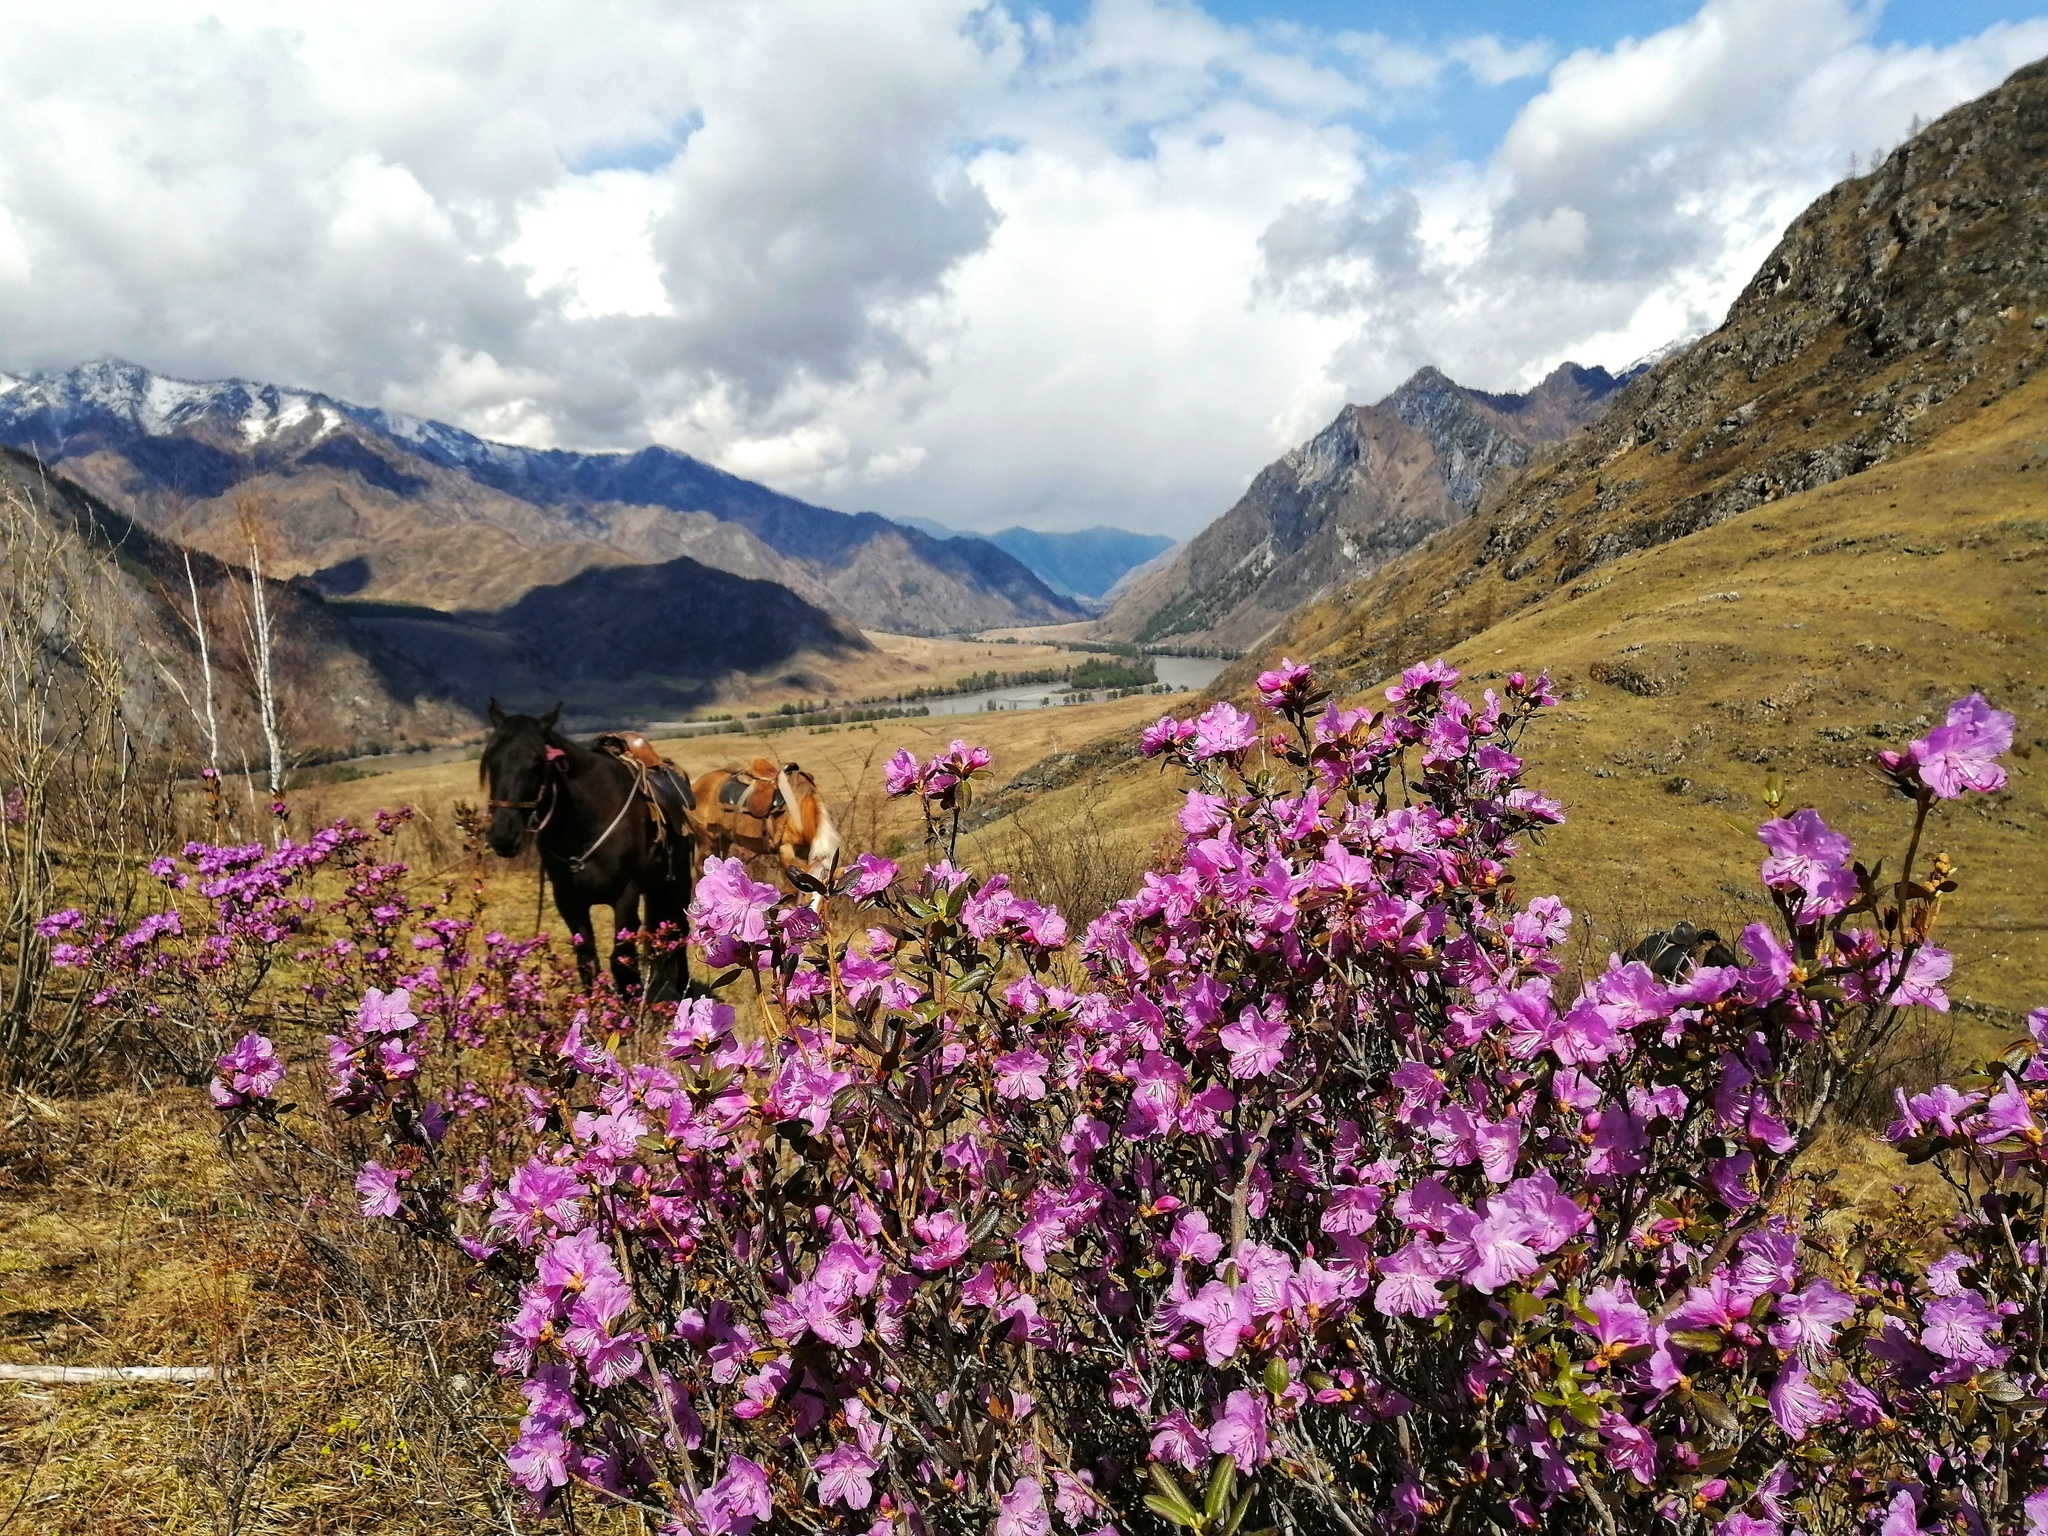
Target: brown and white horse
[(765, 812)]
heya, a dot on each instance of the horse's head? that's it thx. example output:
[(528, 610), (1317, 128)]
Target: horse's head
[(518, 771)]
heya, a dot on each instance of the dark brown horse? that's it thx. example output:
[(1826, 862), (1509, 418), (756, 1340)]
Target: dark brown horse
[(592, 817)]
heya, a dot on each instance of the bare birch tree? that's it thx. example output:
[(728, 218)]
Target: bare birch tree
[(256, 616), (208, 722)]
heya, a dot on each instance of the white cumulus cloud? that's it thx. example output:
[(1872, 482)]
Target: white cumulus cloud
[(939, 257)]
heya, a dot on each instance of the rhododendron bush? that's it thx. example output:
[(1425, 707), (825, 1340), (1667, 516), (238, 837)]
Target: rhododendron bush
[(1307, 1189)]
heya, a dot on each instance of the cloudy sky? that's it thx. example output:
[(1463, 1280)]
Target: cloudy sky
[(1057, 262)]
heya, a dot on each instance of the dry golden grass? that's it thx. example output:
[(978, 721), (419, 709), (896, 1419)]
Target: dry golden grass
[(125, 1239)]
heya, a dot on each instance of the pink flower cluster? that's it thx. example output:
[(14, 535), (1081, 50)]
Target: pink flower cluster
[(1956, 757), (938, 780), (248, 1076), (1309, 1188)]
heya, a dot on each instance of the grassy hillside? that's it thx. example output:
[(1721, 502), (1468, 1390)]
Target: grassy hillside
[(1792, 640)]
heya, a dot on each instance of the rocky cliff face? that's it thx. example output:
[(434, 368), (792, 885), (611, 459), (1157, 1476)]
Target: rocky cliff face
[(1896, 306), (378, 505), (1375, 482)]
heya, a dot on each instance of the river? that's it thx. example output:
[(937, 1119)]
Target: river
[(1177, 672)]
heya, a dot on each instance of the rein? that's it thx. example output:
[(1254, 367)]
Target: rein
[(632, 795), (550, 795)]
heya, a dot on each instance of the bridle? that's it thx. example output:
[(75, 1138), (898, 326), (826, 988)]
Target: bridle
[(550, 795)]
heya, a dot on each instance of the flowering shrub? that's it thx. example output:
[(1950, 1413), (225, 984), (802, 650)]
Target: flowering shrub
[(1303, 1190)]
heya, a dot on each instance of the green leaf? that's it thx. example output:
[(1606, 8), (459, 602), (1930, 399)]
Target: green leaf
[(1222, 1484), (1237, 1513), (1999, 1387), (1522, 1306), (1179, 1508), (1175, 1513), (1276, 1376), (1705, 1340), (1715, 1412)]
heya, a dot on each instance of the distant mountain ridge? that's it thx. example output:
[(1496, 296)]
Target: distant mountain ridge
[(1376, 482), (613, 643), (422, 512), (1084, 563)]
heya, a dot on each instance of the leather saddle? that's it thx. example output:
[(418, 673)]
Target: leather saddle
[(665, 786), (633, 747), (755, 790)]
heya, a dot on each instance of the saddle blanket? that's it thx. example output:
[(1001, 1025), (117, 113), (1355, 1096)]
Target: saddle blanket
[(753, 790)]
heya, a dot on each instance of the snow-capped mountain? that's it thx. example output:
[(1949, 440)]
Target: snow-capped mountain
[(378, 504)]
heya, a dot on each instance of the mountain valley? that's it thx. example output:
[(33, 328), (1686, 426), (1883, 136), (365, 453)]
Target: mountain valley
[(1784, 546)]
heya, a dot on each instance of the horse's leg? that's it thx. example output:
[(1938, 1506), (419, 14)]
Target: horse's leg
[(668, 965), (625, 963), (575, 915)]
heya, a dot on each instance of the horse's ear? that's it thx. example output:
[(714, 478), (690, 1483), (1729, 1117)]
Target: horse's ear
[(497, 713), (553, 717)]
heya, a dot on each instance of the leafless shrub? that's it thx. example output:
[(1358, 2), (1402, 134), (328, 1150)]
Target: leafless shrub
[(1928, 1049), (79, 804), (364, 1361), (1075, 863)]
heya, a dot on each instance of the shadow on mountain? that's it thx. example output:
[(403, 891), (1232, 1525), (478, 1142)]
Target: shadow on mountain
[(614, 643)]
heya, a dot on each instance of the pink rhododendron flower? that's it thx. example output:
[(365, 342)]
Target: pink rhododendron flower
[(1963, 753), (843, 1475), (1022, 1511), (1240, 1430), (1223, 730), (379, 1188), (250, 1073), (1809, 857)]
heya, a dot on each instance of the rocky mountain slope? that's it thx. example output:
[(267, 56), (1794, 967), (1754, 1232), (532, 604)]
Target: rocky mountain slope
[(379, 505), (614, 643), (1376, 481), (1897, 306), (619, 643)]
